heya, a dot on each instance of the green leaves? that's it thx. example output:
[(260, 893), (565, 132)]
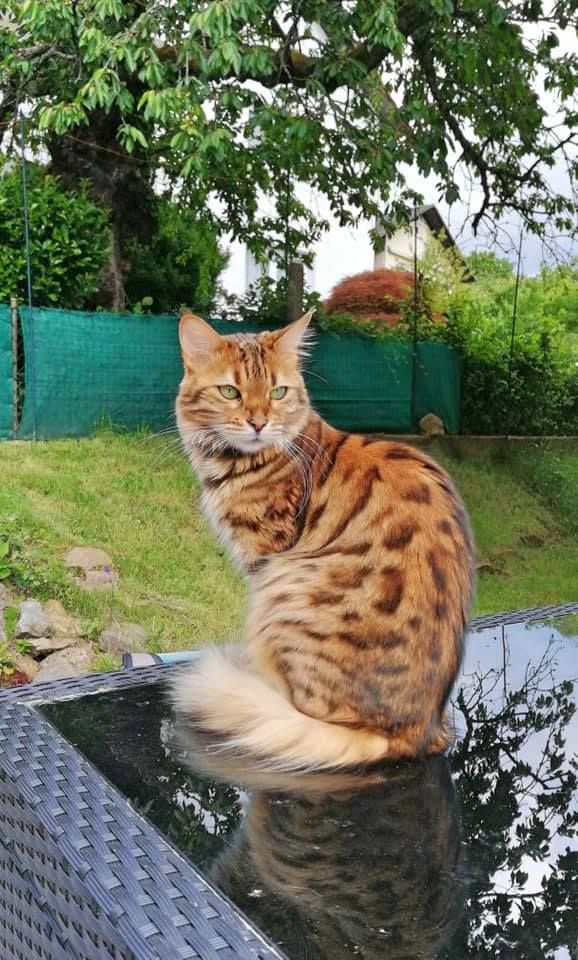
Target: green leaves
[(70, 241), (131, 136), (228, 98)]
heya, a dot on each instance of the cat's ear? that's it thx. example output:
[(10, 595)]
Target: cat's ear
[(295, 337), (197, 339)]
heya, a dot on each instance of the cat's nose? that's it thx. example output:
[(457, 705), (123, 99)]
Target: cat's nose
[(257, 422)]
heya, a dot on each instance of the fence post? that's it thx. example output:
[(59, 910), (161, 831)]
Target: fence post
[(14, 318)]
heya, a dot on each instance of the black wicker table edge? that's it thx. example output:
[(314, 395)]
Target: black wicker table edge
[(83, 876)]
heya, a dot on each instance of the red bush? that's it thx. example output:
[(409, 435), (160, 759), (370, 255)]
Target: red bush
[(375, 295)]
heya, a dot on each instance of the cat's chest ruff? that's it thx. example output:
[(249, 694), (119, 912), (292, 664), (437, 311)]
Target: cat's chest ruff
[(215, 506)]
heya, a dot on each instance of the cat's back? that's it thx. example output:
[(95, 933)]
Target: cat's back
[(399, 483)]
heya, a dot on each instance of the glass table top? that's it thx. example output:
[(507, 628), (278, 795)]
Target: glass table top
[(470, 856)]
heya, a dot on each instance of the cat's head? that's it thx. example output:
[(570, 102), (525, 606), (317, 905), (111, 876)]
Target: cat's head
[(243, 391)]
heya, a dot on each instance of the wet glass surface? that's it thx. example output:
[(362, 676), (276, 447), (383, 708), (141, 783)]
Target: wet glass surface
[(473, 856)]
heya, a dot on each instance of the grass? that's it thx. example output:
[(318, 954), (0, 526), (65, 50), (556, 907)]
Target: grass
[(526, 535), (134, 496)]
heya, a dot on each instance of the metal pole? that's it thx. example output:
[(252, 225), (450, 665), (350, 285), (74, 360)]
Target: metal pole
[(14, 319), (414, 324), (30, 353), (513, 337)]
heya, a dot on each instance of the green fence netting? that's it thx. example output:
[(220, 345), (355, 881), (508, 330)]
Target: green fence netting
[(6, 374), (86, 368)]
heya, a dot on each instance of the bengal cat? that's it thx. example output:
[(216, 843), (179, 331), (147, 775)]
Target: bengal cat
[(359, 557)]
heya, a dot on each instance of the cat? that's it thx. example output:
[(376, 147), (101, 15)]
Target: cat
[(360, 561), (372, 872)]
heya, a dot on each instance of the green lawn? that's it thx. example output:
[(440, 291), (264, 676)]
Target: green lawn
[(134, 497)]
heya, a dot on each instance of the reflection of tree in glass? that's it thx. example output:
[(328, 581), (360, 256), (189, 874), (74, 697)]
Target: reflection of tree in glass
[(517, 786), (369, 873), (119, 733)]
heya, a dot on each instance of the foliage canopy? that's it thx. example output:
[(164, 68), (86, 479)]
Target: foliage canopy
[(232, 99)]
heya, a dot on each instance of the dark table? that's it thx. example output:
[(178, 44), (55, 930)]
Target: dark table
[(112, 846)]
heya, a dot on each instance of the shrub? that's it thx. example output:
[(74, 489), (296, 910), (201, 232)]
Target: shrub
[(377, 296), (538, 393), (264, 303), (69, 240), (178, 267)]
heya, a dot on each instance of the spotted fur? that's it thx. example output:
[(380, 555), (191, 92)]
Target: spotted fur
[(359, 557)]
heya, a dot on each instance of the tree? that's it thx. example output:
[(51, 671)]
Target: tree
[(486, 265), (233, 99)]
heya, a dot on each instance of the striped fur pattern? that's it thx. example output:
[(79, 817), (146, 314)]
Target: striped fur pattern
[(359, 557)]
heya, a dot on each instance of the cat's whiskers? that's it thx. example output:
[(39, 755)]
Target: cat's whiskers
[(149, 438), (303, 463), (316, 446), (171, 449)]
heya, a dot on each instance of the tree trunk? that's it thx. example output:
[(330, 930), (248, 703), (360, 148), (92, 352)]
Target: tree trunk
[(295, 290), (119, 182)]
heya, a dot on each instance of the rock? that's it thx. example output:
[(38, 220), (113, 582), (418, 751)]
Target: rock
[(3, 637), (97, 580), (96, 566), (42, 646), (431, 425), (5, 598), (25, 663), (122, 638), (61, 623), (72, 662), (32, 621), (87, 558)]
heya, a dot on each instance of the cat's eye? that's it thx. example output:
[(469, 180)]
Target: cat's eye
[(278, 393), (229, 392)]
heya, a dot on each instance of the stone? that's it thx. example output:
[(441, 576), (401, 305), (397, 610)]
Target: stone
[(61, 623), (42, 646), (123, 638), (87, 558), (32, 621), (72, 662), (25, 663), (3, 637), (96, 566), (5, 598), (97, 580), (431, 425)]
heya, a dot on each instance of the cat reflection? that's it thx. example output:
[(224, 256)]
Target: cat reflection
[(344, 869)]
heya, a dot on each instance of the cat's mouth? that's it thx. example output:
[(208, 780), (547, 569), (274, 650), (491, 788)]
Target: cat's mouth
[(250, 444)]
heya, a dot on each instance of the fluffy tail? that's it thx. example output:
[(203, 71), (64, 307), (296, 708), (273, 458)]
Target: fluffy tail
[(244, 714)]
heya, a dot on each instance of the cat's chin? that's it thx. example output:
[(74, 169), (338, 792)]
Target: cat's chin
[(251, 445)]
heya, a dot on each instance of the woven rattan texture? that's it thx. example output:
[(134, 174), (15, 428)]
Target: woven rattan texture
[(82, 876), (531, 614)]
